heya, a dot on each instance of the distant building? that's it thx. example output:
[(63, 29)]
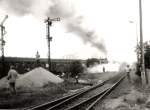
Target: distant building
[(103, 60)]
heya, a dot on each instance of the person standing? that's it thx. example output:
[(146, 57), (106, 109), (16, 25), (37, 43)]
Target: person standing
[(128, 70), (77, 79), (103, 69), (12, 76)]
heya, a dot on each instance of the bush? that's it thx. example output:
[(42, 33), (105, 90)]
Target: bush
[(76, 68)]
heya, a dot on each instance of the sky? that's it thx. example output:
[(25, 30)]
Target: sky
[(87, 28)]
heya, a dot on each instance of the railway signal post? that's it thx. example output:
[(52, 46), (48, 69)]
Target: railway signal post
[(3, 32), (48, 22)]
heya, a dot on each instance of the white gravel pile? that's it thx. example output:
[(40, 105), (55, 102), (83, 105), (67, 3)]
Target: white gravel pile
[(37, 77)]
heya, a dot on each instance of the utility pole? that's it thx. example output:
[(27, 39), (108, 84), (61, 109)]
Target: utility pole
[(143, 74), (48, 22), (3, 32)]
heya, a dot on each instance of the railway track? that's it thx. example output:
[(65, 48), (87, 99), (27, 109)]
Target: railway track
[(84, 99)]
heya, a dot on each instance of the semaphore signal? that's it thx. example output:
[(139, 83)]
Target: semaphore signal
[(3, 32), (48, 22)]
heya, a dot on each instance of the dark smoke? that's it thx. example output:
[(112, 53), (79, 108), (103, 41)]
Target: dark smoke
[(58, 8), (88, 36)]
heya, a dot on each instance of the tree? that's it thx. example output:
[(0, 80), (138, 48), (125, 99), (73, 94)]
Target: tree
[(147, 54), (146, 57), (76, 68)]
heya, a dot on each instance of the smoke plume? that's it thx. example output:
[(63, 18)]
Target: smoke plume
[(65, 9), (88, 36)]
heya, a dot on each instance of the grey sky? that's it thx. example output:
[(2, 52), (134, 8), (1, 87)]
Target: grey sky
[(101, 28)]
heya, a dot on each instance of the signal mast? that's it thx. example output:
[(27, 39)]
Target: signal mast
[(48, 22), (3, 32)]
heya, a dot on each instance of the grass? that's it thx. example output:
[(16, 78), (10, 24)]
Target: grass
[(28, 97), (34, 96)]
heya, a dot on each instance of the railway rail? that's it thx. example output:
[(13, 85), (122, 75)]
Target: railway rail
[(84, 99)]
